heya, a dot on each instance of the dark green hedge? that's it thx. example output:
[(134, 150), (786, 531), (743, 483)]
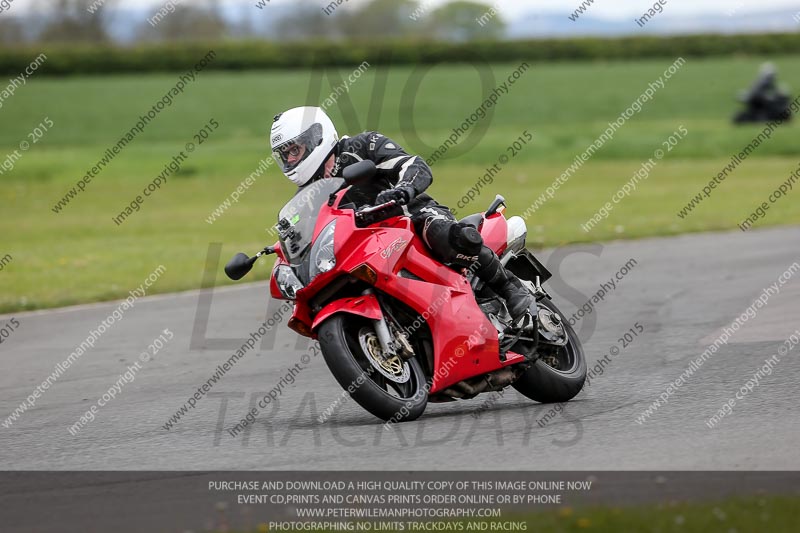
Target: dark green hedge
[(84, 59)]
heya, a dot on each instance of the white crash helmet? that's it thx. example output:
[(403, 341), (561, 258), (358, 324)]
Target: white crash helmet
[(306, 128)]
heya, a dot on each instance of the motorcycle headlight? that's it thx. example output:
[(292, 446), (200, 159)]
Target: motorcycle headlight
[(322, 256), (287, 282)]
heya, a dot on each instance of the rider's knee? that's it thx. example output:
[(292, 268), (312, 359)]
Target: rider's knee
[(466, 244)]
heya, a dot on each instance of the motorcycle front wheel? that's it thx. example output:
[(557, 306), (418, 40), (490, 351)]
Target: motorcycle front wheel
[(392, 389)]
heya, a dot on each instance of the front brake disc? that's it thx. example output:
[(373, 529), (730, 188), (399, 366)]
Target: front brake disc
[(392, 367)]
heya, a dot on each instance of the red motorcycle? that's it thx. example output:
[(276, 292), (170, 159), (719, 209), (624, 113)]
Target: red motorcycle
[(398, 328)]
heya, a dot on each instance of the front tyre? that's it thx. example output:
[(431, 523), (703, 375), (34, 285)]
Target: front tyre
[(393, 390), (559, 372)]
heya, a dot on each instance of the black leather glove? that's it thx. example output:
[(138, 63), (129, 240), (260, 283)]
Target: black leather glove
[(401, 195)]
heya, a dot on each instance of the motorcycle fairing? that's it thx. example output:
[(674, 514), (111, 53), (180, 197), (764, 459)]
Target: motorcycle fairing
[(366, 306), (465, 342)]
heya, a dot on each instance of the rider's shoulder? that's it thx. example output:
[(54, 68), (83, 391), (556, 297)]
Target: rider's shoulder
[(361, 140), (369, 145)]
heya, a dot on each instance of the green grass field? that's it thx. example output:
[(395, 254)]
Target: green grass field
[(80, 255), (767, 513)]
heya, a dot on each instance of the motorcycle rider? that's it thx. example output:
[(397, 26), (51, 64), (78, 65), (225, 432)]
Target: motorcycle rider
[(307, 148)]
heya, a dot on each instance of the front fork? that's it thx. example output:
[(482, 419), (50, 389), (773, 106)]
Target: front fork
[(390, 345)]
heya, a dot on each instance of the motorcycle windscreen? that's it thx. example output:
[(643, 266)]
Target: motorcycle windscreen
[(298, 217)]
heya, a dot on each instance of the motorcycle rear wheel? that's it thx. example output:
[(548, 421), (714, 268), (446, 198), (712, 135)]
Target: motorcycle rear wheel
[(341, 339), (560, 376)]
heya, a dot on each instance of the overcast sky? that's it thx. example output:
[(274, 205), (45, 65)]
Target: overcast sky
[(621, 9), (614, 9)]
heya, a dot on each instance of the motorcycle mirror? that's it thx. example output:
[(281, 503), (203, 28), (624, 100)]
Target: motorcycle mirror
[(239, 266), (359, 172)]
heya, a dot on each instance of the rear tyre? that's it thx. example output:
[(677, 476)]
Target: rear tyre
[(396, 391), (559, 373)]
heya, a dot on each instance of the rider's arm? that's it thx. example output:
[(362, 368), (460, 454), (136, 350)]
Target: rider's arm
[(409, 171)]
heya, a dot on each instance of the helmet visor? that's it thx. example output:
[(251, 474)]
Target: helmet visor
[(289, 154)]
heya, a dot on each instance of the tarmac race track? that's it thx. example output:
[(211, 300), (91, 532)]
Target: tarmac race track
[(682, 292)]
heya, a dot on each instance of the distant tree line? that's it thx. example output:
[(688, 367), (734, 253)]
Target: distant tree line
[(94, 21), (245, 55)]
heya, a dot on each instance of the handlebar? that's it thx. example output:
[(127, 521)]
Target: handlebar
[(366, 215), (377, 208)]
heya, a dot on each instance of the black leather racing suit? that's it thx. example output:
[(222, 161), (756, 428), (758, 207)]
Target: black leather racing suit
[(449, 241)]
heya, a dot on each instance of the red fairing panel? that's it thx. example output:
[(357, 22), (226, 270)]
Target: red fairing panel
[(366, 306), (495, 233), (465, 343)]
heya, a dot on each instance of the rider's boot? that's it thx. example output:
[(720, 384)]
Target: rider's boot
[(504, 283)]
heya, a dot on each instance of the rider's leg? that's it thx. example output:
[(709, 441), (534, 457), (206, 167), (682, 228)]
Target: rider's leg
[(462, 244), (440, 230), (503, 282)]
